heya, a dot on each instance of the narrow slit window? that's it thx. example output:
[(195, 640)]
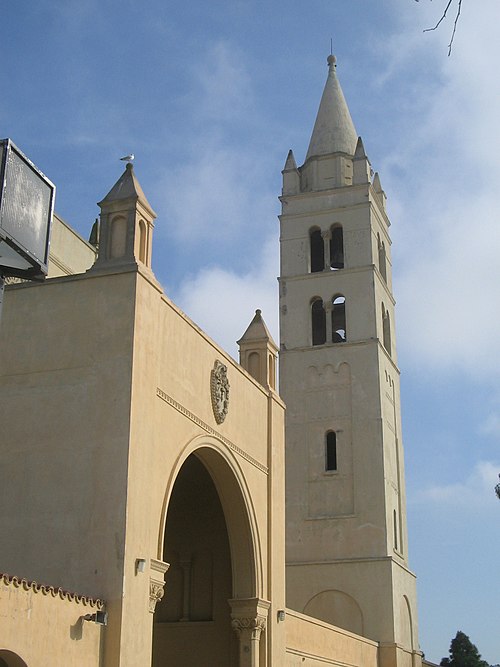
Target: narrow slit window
[(386, 329), (382, 259), (317, 250), (318, 318), (331, 451), (337, 248), (395, 530), (142, 241)]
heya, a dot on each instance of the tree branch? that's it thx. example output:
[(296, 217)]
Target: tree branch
[(442, 17), (455, 26), (457, 16)]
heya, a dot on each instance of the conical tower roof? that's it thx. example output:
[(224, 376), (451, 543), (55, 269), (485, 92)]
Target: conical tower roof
[(334, 130)]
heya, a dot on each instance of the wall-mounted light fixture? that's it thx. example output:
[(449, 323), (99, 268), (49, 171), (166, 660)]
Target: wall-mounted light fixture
[(100, 617), (140, 565), (281, 615)]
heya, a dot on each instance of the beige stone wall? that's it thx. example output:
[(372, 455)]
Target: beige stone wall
[(107, 388), (313, 643), (69, 253), (44, 626)]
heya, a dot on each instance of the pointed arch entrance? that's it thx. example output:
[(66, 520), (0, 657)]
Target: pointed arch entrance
[(214, 577)]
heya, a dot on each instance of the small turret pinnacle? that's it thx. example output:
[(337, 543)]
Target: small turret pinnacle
[(290, 163)]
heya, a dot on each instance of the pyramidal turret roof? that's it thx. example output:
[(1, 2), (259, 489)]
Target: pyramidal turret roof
[(127, 187), (257, 330), (333, 130)]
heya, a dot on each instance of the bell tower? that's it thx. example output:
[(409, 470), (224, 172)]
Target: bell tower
[(347, 556)]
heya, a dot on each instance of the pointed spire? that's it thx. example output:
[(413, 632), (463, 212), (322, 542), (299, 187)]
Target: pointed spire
[(377, 186), (361, 168), (290, 163), (291, 178), (360, 149), (333, 130)]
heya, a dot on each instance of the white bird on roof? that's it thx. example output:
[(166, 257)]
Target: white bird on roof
[(128, 158)]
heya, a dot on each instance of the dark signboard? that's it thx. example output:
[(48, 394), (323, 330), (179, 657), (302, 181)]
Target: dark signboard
[(26, 207)]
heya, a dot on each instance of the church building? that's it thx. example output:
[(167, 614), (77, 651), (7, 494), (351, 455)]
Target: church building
[(164, 505)]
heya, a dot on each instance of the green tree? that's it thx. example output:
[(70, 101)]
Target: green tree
[(463, 653)]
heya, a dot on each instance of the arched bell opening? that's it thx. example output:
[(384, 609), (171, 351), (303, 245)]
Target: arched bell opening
[(339, 332), (317, 250), (318, 322), (336, 247), (209, 545)]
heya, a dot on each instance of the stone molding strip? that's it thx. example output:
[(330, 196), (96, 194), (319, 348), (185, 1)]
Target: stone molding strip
[(25, 584), (168, 399)]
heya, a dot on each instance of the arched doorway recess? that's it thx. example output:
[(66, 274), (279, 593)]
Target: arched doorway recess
[(211, 585), (10, 659)]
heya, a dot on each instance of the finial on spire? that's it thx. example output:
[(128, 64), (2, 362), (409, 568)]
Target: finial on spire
[(332, 62)]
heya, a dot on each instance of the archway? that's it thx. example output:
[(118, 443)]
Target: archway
[(208, 544), (9, 659)]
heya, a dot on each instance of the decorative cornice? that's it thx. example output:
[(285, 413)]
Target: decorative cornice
[(187, 413), (26, 585)]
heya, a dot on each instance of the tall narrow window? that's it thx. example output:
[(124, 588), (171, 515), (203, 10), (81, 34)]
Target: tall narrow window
[(331, 451), (254, 365), (395, 530), (317, 250), (338, 319), (118, 240), (318, 320), (386, 329), (142, 241), (337, 248), (382, 260), (272, 371)]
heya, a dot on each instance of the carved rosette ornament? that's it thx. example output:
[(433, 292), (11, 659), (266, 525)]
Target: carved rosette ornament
[(156, 582), (219, 390)]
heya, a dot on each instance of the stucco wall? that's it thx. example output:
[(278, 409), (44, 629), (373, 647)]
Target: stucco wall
[(44, 626), (312, 643)]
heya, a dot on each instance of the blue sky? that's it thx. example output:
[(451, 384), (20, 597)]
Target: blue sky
[(210, 97)]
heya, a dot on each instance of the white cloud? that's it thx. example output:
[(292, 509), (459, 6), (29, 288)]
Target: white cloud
[(491, 425), (223, 302), (477, 490), (218, 191), (223, 89), (449, 238)]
